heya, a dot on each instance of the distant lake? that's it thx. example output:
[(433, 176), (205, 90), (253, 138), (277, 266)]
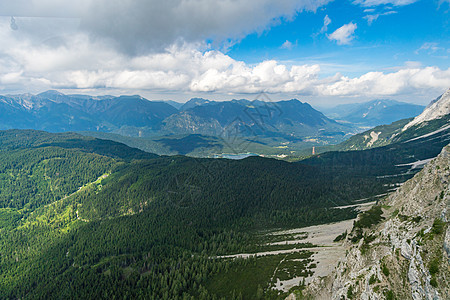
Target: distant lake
[(235, 156)]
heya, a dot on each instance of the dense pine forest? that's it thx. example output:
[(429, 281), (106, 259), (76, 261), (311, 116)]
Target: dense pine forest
[(89, 218)]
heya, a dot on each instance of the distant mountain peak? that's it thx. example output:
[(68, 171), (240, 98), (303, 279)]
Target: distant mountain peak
[(193, 102), (435, 110), (50, 94), (293, 101)]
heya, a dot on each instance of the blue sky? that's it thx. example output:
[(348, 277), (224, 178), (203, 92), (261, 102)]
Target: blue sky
[(390, 40), (324, 52)]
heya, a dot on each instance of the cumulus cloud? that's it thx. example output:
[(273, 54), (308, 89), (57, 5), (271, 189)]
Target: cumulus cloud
[(84, 64), (379, 83), (343, 35)]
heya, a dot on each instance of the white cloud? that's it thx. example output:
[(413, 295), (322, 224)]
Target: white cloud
[(287, 45), (430, 48), (412, 65), (371, 18), (326, 22), (378, 83), (343, 35), (370, 3), (86, 65)]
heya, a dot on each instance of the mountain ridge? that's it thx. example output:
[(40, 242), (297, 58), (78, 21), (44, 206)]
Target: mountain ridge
[(288, 117), (435, 110)]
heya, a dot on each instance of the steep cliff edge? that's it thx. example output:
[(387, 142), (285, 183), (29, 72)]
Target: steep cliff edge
[(401, 249)]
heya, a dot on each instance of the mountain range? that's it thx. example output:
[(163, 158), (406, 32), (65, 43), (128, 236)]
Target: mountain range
[(57, 112), (290, 118), (373, 113), (280, 128), (239, 126)]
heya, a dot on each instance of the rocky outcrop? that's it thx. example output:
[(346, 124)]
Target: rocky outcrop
[(405, 256), (436, 109)]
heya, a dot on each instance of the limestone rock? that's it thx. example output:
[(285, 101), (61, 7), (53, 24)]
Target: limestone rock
[(397, 261)]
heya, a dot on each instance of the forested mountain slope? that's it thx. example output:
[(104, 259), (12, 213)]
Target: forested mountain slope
[(99, 223), (403, 158), (103, 220)]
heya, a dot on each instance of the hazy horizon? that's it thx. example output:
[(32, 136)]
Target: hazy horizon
[(182, 98)]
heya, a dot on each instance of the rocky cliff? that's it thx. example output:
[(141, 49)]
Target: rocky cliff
[(436, 109), (404, 251)]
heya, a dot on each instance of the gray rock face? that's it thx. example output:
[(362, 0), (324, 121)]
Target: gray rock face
[(447, 244), (397, 262), (436, 109), (407, 250)]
